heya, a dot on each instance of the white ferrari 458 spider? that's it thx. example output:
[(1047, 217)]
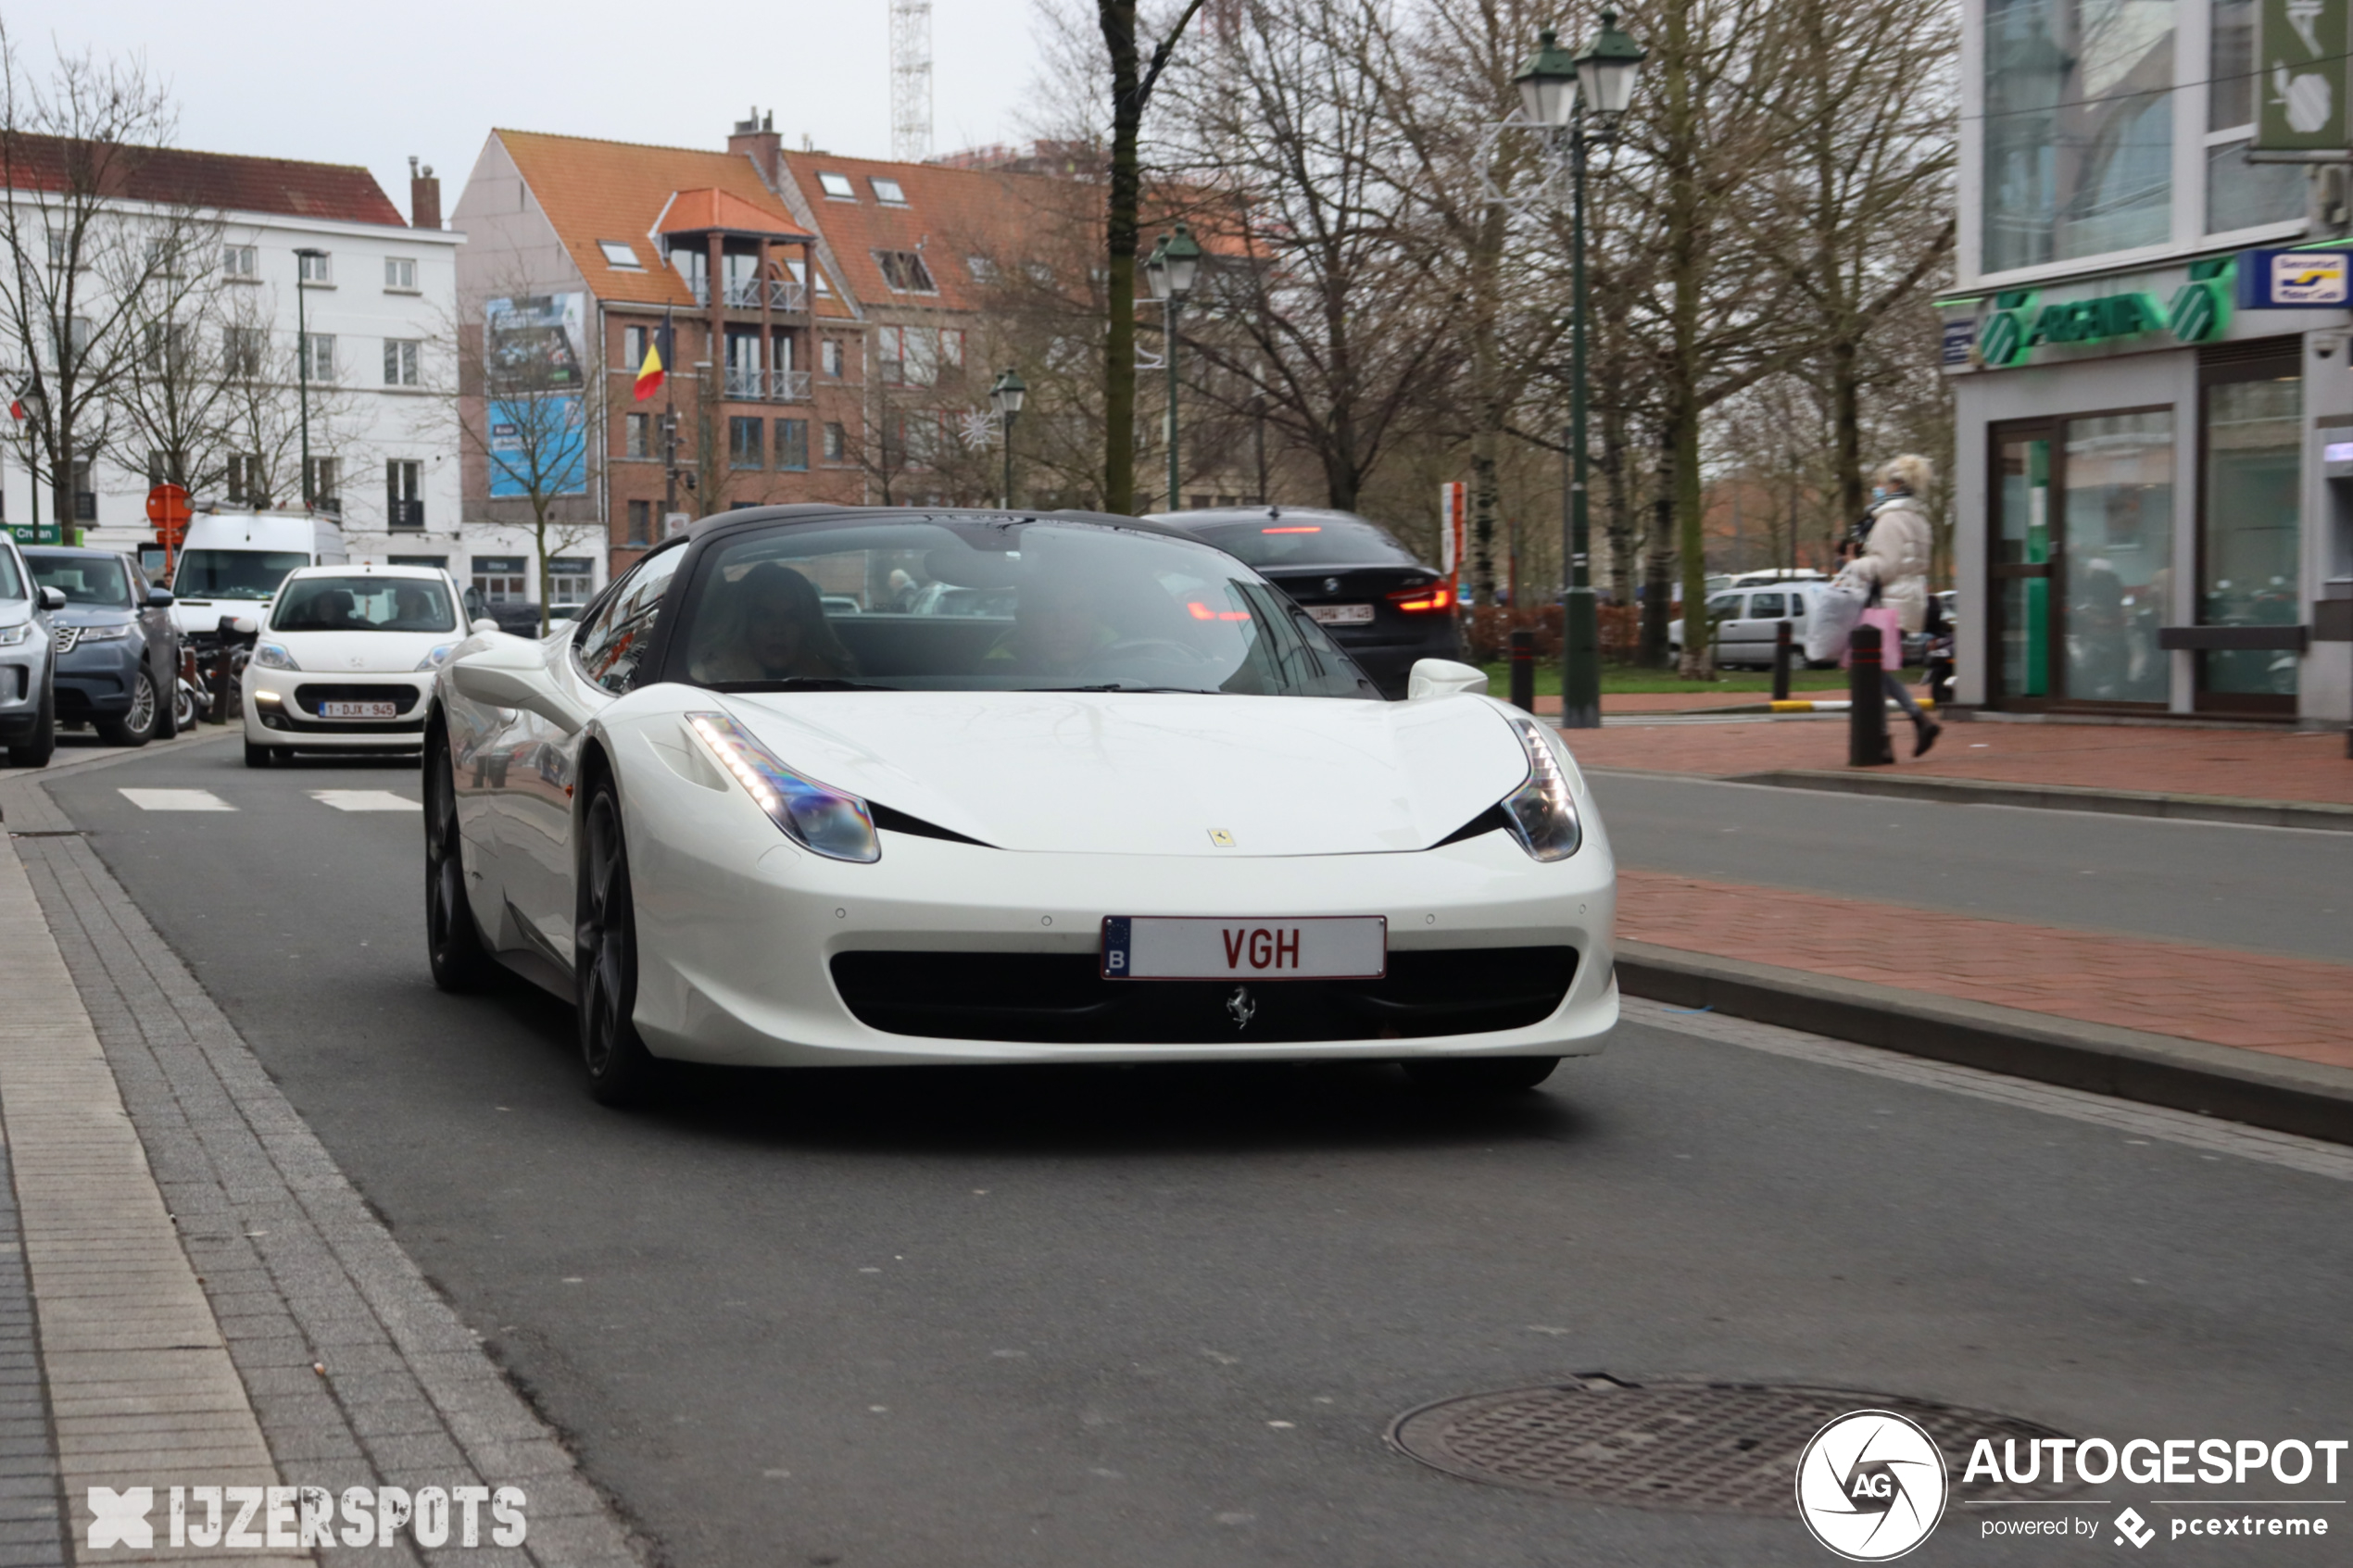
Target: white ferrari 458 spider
[(818, 785)]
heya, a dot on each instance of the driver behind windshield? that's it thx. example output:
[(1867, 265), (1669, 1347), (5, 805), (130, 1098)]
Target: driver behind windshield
[(771, 626), (1056, 630)]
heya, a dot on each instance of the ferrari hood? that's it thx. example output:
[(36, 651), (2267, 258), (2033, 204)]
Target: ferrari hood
[(1160, 773)]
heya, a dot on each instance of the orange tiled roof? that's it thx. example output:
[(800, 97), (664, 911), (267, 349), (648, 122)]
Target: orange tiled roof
[(594, 190), (699, 212), (947, 211)]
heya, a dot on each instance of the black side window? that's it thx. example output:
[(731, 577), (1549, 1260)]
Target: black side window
[(611, 648)]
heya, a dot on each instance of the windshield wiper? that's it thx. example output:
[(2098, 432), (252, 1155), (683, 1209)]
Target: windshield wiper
[(1121, 687), (799, 684)]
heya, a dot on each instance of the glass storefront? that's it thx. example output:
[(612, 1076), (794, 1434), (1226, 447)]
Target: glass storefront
[(2078, 128), (2118, 555), (2251, 528)]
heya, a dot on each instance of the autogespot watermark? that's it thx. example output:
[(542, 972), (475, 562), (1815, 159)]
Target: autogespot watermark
[(303, 1518), (1872, 1485)]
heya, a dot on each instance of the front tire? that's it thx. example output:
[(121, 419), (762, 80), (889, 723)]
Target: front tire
[(1481, 1076), (620, 1071), (138, 726), (41, 742), (453, 943), (263, 756)]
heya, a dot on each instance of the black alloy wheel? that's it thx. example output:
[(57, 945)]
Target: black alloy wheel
[(1474, 1075), (620, 1071), (40, 742), (137, 727), (453, 943)]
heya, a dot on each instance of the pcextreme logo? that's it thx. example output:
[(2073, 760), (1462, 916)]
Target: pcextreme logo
[(1870, 1485)]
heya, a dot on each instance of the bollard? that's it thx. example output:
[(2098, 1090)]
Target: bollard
[(1867, 744), (1524, 671), (1781, 661)]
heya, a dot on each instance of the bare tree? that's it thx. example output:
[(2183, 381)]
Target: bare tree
[(93, 255)]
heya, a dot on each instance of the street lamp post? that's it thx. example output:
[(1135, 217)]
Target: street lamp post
[(302, 366), (1006, 398), (1170, 271), (1558, 93)]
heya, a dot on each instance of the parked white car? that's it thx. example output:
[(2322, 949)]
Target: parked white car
[(1137, 807), (348, 659), (1746, 621)]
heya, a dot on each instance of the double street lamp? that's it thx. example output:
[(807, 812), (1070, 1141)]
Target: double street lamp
[(1170, 270), (1006, 396), (1577, 100)]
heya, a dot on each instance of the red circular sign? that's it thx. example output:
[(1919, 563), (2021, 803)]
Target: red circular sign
[(168, 506)]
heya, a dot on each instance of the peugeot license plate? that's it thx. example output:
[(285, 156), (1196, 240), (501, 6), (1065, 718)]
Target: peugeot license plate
[(1341, 615), (1186, 947), (359, 710)]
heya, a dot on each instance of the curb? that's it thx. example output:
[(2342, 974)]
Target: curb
[(2307, 1098), (2245, 811)]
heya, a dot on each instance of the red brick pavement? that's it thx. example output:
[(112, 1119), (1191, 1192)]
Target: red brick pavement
[(2299, 1008), (2254, 763)]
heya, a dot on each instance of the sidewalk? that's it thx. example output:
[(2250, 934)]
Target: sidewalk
[(2287, 1006), (210, 1302), (2263, 765)]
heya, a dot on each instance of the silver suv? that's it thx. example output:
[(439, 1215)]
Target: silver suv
[(27, 662)]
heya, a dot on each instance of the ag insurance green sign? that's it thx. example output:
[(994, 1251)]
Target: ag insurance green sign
[(2300, 47)]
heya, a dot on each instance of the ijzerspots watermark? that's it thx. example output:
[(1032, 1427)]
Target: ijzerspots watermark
[(303, 1518)]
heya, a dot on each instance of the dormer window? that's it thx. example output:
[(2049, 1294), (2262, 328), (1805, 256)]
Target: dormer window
[(838, 186), (618, 253), (887, 191), (905, 272)]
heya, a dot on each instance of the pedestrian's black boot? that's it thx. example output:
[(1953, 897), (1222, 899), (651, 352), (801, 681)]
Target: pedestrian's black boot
[(1924, 733)]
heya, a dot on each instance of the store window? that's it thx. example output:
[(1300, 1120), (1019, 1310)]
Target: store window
[(2082, 560), (2250, 530), (502, 578), (572, 580), (2078, 130), (2240, 194)]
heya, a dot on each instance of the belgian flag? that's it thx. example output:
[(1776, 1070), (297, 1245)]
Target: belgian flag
[(650, 373)]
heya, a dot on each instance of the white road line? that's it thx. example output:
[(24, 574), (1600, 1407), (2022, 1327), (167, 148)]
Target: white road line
[(363, 801), (176, 800), (2310, 1155)]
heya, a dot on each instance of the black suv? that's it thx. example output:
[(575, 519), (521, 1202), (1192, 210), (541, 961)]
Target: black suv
[(1365, 590)]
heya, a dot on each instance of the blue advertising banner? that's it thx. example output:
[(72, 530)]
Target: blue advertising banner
[(533, 351)]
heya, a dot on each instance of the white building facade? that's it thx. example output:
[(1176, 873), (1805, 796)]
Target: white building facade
[(2154, 479)]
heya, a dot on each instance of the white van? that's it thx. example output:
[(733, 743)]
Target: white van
[(232, 563), (1747, 619)]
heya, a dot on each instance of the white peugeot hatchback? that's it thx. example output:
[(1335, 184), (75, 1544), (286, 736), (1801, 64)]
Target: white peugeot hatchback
[(346, 659)]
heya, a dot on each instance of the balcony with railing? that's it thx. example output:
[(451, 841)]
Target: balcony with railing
[(767, 386), (749, 294)]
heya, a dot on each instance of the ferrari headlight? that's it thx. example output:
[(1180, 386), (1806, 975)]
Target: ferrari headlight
[(273, 656), (438, 658), (1543, 813), (103, 633), (821, 820)]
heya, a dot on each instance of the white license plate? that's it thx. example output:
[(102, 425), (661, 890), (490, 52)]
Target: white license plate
[(1184, 947), (1341, 615), (359, 710)]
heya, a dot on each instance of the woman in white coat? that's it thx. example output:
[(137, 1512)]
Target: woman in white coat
[(1895, 557)]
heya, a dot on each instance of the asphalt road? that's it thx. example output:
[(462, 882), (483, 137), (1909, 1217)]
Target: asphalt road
[(1162, 1317), (2282, 890)]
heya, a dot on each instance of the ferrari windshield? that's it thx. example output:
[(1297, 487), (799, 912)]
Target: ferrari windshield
[(987, 605)]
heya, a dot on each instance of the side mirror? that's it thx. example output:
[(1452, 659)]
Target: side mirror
[(515, 674), (482, 626), (159, 598), (52, 599), (1442, 677)]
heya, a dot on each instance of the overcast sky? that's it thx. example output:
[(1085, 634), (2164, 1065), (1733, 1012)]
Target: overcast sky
[(371, 84)]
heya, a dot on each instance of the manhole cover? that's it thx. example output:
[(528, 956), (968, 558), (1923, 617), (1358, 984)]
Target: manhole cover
[(1711, 1446)]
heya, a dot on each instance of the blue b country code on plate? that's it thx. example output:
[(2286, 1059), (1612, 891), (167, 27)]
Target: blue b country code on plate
[(1252, 947)]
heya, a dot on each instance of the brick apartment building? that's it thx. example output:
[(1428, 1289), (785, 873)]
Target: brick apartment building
[(820, 307)]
